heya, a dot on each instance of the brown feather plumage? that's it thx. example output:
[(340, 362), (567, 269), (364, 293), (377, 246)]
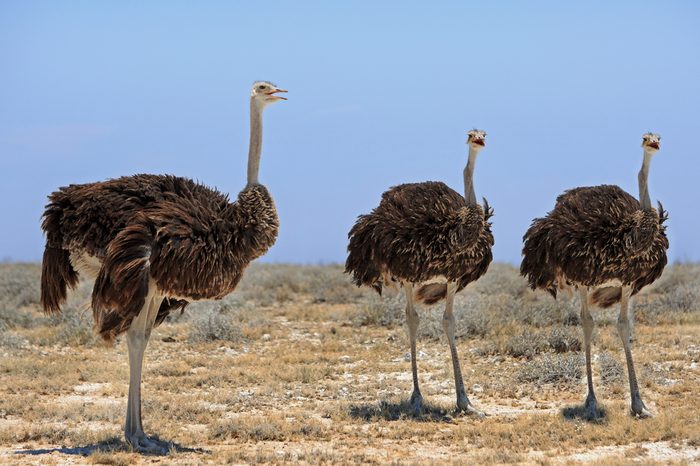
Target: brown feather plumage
[(421, 231), (186, 237), (592, 236)]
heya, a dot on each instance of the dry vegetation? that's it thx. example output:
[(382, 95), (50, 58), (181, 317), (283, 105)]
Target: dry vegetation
[(299, 366)]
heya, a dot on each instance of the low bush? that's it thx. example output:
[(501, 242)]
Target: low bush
[(386, 311), (550, 368), (9, 339), (527, 345), (564, 339), (214, 324), (611, 371)]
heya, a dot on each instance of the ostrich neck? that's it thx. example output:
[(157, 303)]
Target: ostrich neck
[(469, 194), (644, 198), (255, 147)]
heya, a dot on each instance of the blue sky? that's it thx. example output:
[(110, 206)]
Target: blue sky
[(380, 93)]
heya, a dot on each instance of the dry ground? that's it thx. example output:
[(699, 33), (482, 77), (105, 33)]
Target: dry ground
[(298, 366)]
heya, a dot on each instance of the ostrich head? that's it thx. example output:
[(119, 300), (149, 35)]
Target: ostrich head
[(476, 139), (651, 142), (263, 93)]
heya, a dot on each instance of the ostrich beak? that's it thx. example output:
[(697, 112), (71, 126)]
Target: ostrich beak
[(276, 97), (479, 142), (654, 145)]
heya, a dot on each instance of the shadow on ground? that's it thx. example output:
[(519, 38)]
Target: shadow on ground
[(579, 413), (112, 445), (392, 411)]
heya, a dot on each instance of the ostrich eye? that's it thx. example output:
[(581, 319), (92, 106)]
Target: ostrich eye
[(261, 88)]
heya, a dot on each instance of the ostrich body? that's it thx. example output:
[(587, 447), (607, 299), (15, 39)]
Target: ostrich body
[(153, 243), (428, 237), (600, 239)]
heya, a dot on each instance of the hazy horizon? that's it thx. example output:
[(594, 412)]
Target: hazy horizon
[(379, 94)]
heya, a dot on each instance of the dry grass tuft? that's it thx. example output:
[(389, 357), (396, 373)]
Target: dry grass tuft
[(111, 459)]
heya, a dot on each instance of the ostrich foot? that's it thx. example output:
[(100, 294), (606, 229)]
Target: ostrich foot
[(464, 406), (639, 410), (416, 402), (152, 446), (591, 408)]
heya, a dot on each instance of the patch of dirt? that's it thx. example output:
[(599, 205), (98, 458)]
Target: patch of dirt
[(661, 452)]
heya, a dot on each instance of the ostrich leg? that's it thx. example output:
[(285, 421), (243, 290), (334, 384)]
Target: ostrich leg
[(631, 320), (587, 323), (137, 338), (448, 324), (623, 328), (413, 319)]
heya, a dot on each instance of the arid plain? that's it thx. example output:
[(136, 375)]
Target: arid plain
[(298, 366)]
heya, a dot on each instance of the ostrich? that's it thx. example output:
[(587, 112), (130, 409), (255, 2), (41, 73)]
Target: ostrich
[(153, 243), (600, 239), (427, 236)]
